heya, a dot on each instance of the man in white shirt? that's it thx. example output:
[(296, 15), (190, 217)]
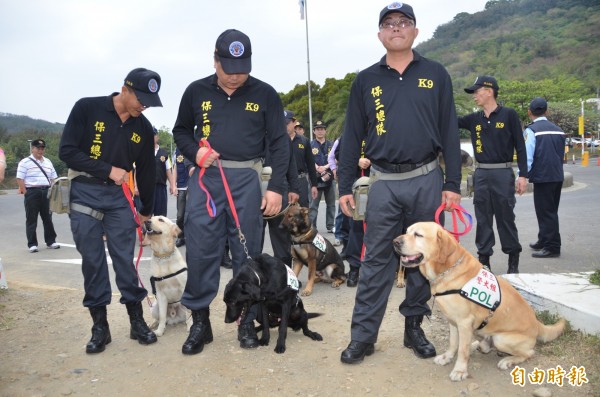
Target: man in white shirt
[(34, 176)]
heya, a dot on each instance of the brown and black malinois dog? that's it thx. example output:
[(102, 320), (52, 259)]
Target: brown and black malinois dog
[(311, 249)]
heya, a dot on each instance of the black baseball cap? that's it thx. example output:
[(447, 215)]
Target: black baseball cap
[(235, 51), (319, 124), (298, 124), (289, 115), (146, 85), (38, 143), (538, 105), (397, 7), (483, 81)]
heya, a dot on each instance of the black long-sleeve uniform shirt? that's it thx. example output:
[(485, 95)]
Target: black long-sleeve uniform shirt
[(496, 138), (95, 139), (305, 161), (240, 127), (403, 118)]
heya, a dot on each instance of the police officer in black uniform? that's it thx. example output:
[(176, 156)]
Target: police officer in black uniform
[(403, 108), (304, 159), (240, 117), (496, 134), (182, 176), (101, 140), (163, 174), (545, 145), (281, 240)]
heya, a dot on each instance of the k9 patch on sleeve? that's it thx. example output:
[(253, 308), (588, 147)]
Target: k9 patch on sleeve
[(292, 280), (483, 289), (320, 242)]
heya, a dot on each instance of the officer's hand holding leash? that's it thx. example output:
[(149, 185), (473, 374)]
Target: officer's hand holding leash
[(212, 157), (271, 203), (450, 198), (119, 175)]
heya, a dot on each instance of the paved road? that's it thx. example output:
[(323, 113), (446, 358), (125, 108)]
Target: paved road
[(579, 216)]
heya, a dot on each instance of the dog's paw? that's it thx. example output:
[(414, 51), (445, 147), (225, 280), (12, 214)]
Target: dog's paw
[(337, 283), (483, 346), (314, 336), (510, 361), (279, 349), (160, 331), (457, 376), (263, 342), (400, 284), (443, 359), (306, 292)]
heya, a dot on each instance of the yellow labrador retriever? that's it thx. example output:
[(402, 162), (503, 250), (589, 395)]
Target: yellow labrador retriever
[(169, 274), (475, 302)]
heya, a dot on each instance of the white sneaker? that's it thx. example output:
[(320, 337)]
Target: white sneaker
[(33, 248), (53, 246)]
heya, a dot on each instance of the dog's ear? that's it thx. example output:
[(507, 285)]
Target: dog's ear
[(175, 230), (445, 244), (252, 290)]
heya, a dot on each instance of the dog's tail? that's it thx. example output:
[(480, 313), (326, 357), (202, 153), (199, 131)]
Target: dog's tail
[(547, 333), (313, 315)]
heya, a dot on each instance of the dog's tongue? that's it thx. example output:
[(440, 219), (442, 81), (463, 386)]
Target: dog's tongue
[(409, 258)]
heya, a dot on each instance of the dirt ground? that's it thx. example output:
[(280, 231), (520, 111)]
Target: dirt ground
[(43, 333)]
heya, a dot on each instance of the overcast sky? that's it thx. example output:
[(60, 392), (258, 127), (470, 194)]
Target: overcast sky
[(55, 52)]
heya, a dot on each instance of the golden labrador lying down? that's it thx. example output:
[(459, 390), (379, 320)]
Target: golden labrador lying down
[(511, 327), (169, 274)]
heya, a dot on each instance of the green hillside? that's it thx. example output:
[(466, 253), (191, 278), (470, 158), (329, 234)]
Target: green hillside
[(12, 123), (521, 40)]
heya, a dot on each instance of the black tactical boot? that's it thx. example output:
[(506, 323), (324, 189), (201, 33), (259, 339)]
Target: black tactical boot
[(247, 336), (513, 263), (200, 332), (100, 331), (414, 337), (352, 280), (485, 261), (139, 328)]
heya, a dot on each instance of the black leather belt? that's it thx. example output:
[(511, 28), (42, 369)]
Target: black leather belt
[(37, 187), (93, 180), (397, 168)]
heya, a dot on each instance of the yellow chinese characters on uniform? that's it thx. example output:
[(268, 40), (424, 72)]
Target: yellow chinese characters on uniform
[(206, 107), (376, 92)]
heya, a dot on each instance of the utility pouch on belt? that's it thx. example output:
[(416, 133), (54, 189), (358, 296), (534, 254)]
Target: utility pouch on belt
[(59, 195), (360, 191), (265, 177)]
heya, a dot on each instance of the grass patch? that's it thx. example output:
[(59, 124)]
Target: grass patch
[(572, 348), (595, 277)]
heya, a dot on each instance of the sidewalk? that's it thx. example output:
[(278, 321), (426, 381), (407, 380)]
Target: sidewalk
[(569, 295)]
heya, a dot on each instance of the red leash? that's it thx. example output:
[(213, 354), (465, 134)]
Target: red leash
[(139, 232), (457, 212), (210, 204)]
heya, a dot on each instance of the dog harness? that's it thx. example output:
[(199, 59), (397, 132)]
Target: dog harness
[(318, 241), (483, 289), (153, 279)]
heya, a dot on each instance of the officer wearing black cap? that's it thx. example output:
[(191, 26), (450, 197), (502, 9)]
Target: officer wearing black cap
[(164, 173), (302, 152), (241, 118), (403, 108), (321, 147), (102, 139), (496, 134), (545, 145)]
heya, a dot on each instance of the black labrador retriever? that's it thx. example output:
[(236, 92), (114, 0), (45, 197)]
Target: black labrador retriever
[(268, 281)]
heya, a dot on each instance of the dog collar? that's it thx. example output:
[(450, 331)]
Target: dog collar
[(443, 274), (163, 257), (257, 276)]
